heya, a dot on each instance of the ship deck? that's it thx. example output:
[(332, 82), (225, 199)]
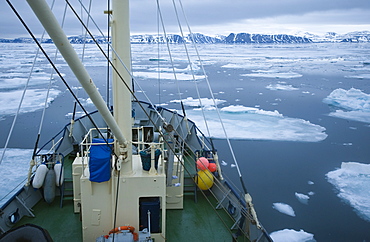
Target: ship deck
[(198, 221)]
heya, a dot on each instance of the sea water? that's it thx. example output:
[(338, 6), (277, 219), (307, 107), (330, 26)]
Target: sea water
[(297, 116)]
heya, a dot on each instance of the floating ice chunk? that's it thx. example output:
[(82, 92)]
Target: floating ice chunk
[(360, 76), (8, 82), (352, 181), (188, 70), (353, 99), (347, 144), (281, 87), (78, 114), (223, 163), (13, 174), (255, 124), (243, 109), (310, 183), (33, 100), (205, 102), (273, 74), (361, 116), (168, 76), (303, 198), (86, 102), (233, 165), (356, 102), (311, 193), (284, 208), (291, 235)]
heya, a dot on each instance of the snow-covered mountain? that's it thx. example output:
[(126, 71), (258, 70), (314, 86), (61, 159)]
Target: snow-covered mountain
[(357, 37), (265, 38), (232, 38)]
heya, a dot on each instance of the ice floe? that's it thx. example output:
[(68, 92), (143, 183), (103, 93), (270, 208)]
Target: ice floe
[(166, 73), (352, 99), (353, 103), (360, 76), (243, 109), (303, 198), (291, 235), (352, 182), (13, 174), (168, 76), (273, 74), (33, 100), (281, 87), (284, 208), (206, 103), (250, 123)]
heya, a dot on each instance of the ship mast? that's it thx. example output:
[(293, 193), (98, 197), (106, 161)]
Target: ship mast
[(121, 95)]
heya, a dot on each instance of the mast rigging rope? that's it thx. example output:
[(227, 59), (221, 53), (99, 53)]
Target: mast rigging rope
[(213, 98), (21, 102), (56, 70)]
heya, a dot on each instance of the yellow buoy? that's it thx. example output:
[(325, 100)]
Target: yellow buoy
[(204, 179)]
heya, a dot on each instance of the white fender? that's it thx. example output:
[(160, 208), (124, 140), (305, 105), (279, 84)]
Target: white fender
[(59, 174), (38, 179), (49, 186)]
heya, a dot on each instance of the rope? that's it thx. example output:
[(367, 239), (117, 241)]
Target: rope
[(154, 125), (169, 49), (191, 69), (158, 61), (213, 98), (85, 34), (109, 61), (56, 70), (49, 86), (22, 98)]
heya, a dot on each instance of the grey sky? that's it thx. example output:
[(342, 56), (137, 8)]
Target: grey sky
[(214, 16)]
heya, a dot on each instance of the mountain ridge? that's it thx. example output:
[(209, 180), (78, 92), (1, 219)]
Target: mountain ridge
[(232, 38)]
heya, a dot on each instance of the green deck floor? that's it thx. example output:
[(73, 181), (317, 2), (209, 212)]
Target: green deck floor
[(197, 222), (61, 223)]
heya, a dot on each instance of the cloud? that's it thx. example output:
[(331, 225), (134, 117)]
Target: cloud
[(214, 16)]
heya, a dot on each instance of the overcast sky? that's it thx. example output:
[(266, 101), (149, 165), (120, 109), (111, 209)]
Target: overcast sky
[(213, 16)]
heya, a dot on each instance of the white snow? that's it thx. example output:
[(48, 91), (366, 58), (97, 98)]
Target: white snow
[(284, 208), (352, 181), (291, 235)]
